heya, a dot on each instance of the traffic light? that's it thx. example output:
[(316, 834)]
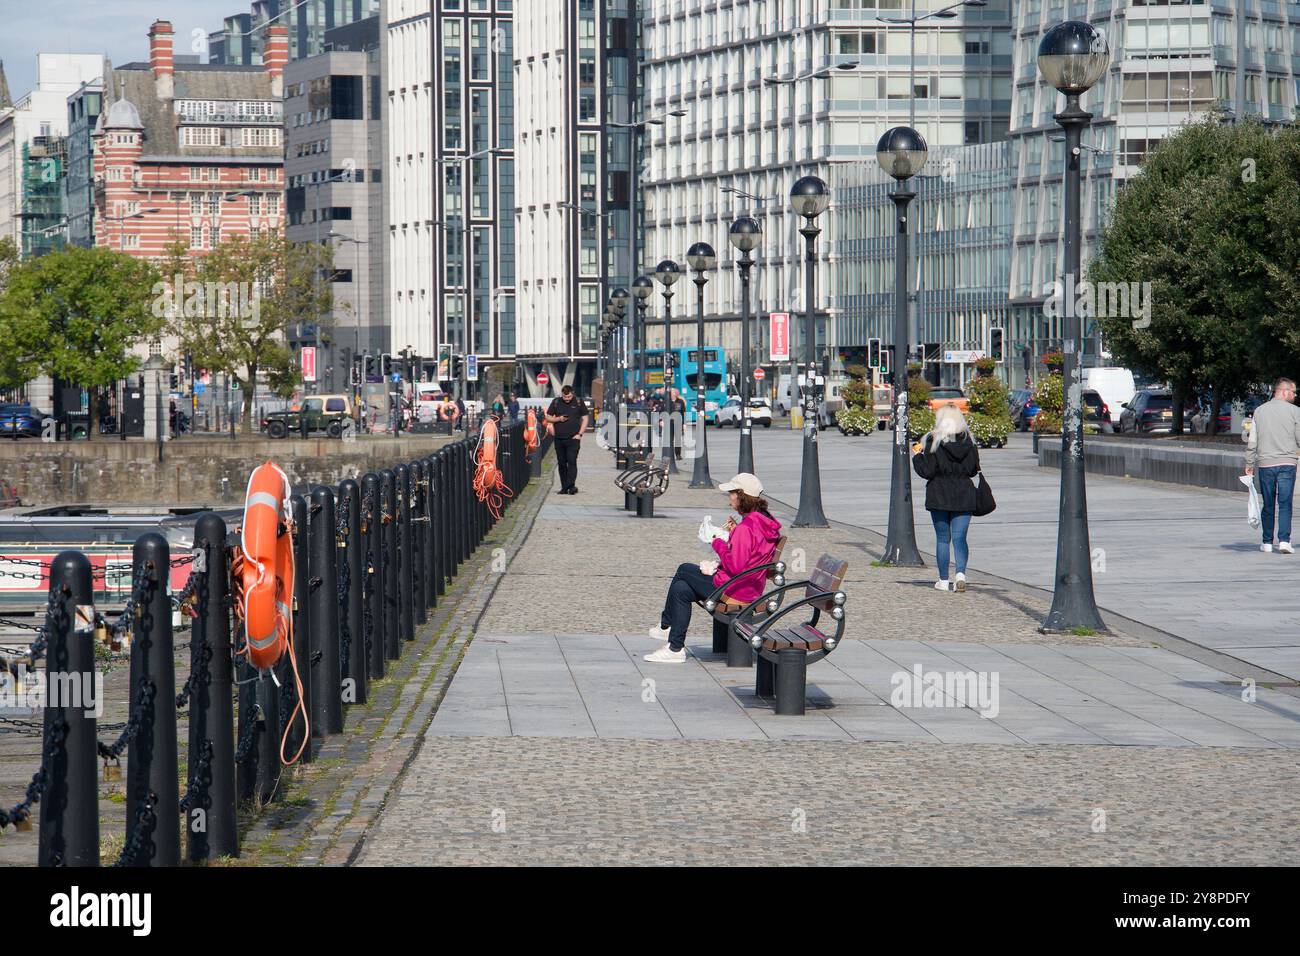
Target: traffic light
[(873, 353), (884, 361), (456, 362), (386, 366), (996, 344), (175, 382)]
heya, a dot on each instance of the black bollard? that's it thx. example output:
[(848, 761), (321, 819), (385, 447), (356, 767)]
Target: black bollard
[(293, 717), (405, 557), (446, 552), (257, 752), (392, 569), (69, 808), (153, 836), (326, 681), (418, 608), (372, 537), (210, 821), (430, 536), (355, 684)]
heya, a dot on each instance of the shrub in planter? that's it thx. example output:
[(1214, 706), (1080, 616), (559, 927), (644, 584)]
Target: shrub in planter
[(1049, 395), (989, 431), (986, 366), (990, 416), (855, 421), (919, 421), (918, 391)]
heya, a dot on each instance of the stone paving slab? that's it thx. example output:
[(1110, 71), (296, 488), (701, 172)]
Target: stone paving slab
[(588, 686)]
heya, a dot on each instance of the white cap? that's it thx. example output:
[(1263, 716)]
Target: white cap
[(745, 482)]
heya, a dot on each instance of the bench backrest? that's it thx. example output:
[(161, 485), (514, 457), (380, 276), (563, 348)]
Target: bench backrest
[(776, 555), (828, 575)]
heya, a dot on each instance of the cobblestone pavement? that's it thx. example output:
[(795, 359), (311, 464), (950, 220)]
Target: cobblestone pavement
[(590, 578), (531, 801)]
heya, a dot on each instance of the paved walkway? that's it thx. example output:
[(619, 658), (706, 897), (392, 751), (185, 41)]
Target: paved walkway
[(1177, 558), (556, 743)]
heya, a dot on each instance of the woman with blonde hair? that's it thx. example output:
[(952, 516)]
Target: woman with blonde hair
[(946, 457)]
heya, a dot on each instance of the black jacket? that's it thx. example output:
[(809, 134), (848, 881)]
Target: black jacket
[(948, 473)]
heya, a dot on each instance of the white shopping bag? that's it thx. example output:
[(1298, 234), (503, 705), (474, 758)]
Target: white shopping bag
[(709, 531), (1253, 505)]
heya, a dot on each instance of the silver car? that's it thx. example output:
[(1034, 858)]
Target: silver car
[(760, 412)]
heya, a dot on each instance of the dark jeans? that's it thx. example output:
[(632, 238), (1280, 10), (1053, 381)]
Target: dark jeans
[(566, 455), (950, 526), (689, 584), (1277, 483)]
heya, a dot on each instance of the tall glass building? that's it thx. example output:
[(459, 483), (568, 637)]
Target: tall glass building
[(961, 255), (241, 39), (448, 78)]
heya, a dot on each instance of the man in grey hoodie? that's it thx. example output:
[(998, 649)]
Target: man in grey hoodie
[(1274, 449)]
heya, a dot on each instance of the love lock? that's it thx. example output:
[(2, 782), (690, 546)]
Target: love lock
[(23, 824), (112, 769)]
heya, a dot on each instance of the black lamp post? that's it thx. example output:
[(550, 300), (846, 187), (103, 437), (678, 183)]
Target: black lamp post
[(901, 152), (667, 273), (744, 235), (617, 312), (642, 287), (701, 258), (1072, 56), (810, 197)]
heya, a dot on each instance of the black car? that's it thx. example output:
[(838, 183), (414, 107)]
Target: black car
[(1096, 411), (1148, 412)]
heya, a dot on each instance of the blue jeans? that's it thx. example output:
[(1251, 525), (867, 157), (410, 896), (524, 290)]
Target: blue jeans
[(950, 525), (689, 584), (1277, 483)]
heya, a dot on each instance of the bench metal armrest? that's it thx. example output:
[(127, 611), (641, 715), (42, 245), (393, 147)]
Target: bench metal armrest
[(711, 601), (839, 597)]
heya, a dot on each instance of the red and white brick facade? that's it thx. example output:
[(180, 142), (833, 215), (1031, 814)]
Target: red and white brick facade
[(170, 151)]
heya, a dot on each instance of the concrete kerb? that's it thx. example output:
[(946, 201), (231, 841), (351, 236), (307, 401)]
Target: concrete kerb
[(1170, 642)]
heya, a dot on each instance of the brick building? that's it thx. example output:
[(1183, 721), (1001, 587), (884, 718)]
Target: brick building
[(189, 151)]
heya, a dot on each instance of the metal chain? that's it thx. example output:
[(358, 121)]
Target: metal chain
[(198, 789), (36, 789), (250, 733), (144, 823), (143, 709)]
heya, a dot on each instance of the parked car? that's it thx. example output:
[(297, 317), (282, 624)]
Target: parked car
[(760, 412), (1096, 411), (1114, 385), (941, 395), (1023, 409), (1225, 411), (325, 413), (1149, 412), (21, 421)]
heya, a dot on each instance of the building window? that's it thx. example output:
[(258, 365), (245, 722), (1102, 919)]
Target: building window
[(267, 136), (196, 237), (255, 205), (201, 136)]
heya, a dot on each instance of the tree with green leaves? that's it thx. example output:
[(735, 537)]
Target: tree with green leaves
[(1211, 224), (75, 315), (233, 308)]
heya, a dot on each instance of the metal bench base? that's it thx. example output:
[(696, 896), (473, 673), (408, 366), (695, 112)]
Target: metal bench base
[(645, 506)]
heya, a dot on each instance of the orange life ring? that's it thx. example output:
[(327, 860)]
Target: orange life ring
[(489, 482), (264, 580), (448, 411), (530, 433)]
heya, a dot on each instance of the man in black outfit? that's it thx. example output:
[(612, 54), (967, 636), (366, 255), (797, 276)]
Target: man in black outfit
[(568, 416)]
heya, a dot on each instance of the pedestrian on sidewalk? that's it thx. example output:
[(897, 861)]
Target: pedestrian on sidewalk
[(568, 416), (751, 542), (947, 459), (1272, 450)]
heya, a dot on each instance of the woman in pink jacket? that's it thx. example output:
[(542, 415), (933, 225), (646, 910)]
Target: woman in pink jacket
[(751, 542)]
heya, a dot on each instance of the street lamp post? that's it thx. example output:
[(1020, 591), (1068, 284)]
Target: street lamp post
[(1072, 56), (701, 258), (809, 196), (620, 297), (901, 152), (642, 287), (667, 273), (744, 235)]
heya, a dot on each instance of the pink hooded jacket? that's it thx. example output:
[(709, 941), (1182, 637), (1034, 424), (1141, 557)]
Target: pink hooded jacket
[(752, 542)]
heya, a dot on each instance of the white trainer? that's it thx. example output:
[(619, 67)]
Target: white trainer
[(1266, 548), (961, 582), (1285, 547), (660, 633), (942, 586), (666, 655)]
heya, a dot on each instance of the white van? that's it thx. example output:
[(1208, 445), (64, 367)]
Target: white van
[(1114, 385)]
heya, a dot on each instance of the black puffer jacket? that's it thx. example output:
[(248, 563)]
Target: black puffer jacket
[(948, 473)]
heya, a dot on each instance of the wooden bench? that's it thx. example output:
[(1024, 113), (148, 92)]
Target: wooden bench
[(725, 610), (785, 649)]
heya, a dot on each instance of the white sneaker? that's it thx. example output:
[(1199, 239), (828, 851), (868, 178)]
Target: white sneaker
[(660, 633), (942, 586), (1266, 548), (961, 582), (1285, 547), (666, 655)]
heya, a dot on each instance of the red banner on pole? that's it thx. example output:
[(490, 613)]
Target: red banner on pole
[(780, 336), (309, 363)]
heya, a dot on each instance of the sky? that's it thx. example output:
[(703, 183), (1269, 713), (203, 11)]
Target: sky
[(117, 29)]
